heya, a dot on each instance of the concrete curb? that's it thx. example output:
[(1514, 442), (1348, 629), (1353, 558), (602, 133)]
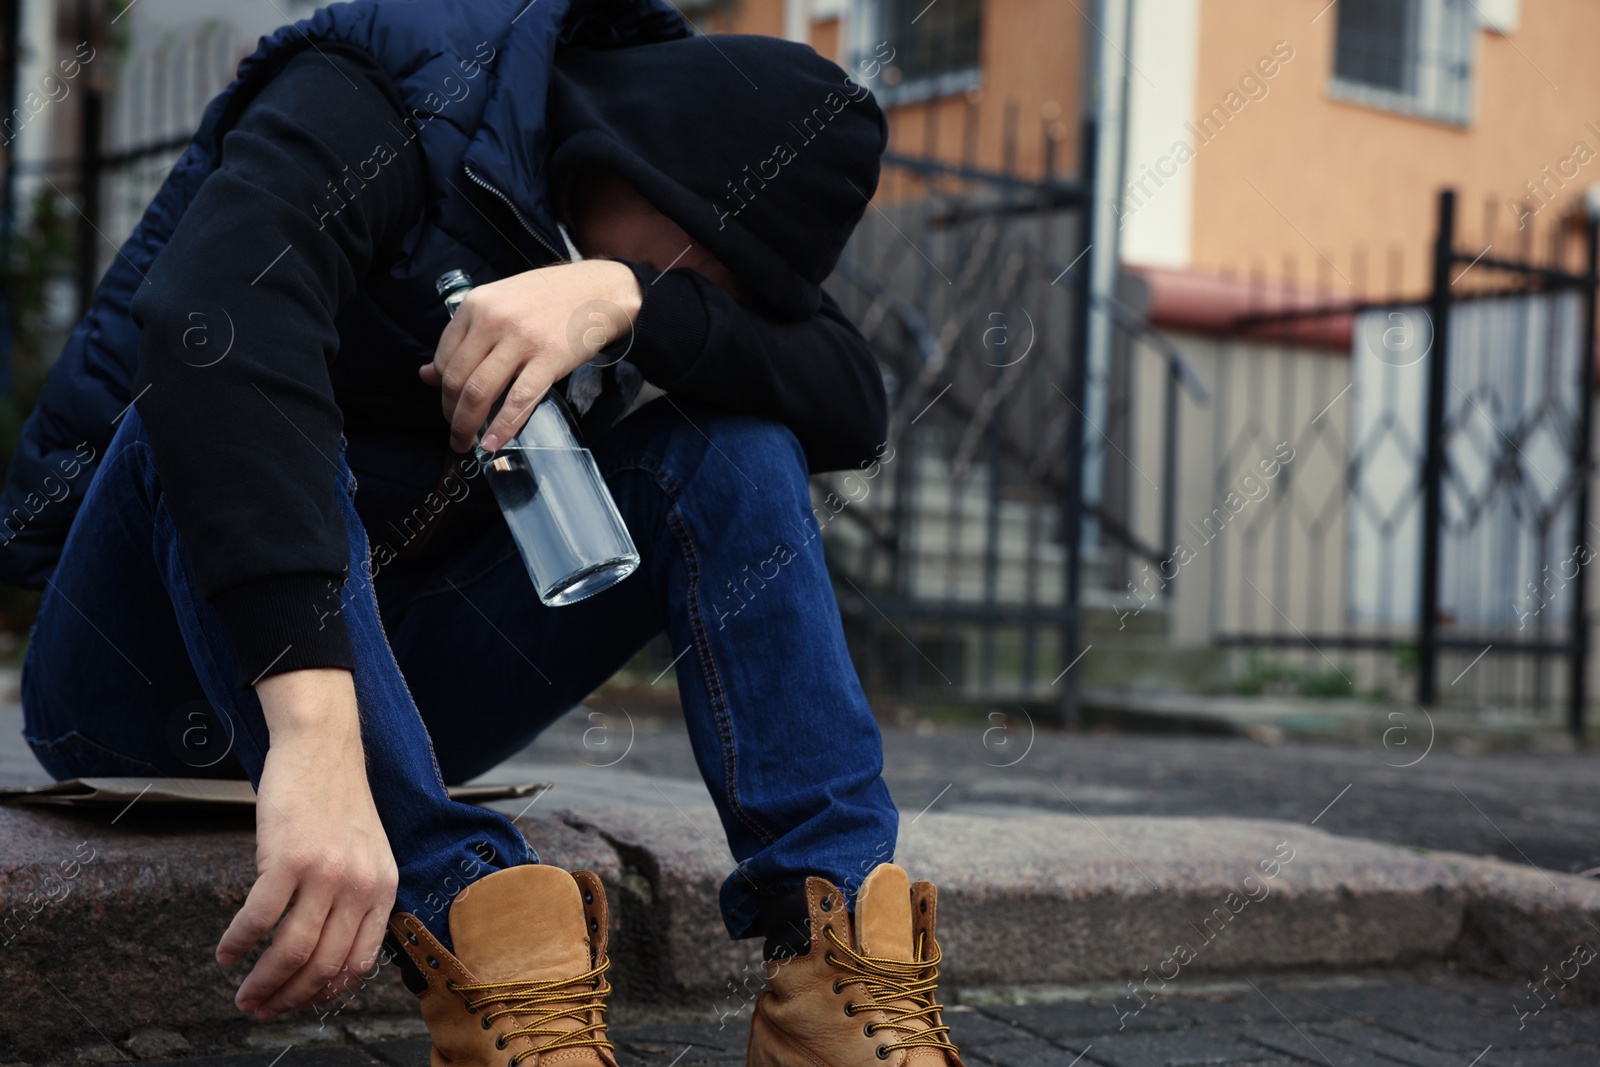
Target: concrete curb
[(121, 922), (122, 919), (1541, 929), (1045, 898)]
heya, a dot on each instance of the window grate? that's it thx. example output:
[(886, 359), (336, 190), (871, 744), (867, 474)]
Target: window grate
[(1410, 56), (1377, 44), (938, 39)]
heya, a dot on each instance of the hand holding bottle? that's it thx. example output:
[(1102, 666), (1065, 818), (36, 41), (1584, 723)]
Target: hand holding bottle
[(516, 332), (555, 502)]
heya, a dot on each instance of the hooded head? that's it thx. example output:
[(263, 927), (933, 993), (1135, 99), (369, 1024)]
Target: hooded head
[(761, 150)]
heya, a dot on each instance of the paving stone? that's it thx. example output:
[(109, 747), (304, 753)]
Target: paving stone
[(410, 1052), (690, 1056), (1064, 1022), (1024, 1054), (1366, 1004), (150, 1043), (1093, 1017), (295, 1057), (1472, 1029), (1304, 1042), (1246, 1010), (1353, 1044), (294, 1032), (697, 1058), (1382, 1043), (970, 1027), (372, 1031), (684, 1045), (655, 1039), (1171, 1049), (1572, 1056)]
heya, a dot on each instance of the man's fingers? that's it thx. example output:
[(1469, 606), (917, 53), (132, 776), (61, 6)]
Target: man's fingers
[(480, 392), (462, 349), (369, 940), (526, 392), (262, 909), (326, 963), (292, 948), (456, 330)]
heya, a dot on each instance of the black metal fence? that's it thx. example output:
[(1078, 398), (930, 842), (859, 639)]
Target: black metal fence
[(1432, 520), (1465, 445), (958, 571)]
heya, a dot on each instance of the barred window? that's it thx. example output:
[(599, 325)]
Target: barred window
[(1413, 56), (935, 40), (1377, 43)]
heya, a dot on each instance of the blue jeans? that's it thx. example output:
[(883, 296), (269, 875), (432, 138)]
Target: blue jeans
[(460, 666)]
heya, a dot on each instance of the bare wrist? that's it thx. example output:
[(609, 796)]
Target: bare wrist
[(314, 704), (624, 286)]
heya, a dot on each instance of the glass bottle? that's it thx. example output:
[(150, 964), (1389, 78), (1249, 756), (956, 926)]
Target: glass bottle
[(566, 525)]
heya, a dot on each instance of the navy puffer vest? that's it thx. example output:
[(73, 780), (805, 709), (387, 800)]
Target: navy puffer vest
[(474, 76)]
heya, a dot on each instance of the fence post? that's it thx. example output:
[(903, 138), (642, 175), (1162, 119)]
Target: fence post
[(1433, 464), (1169, 472), (10, 28), (1578, 689), (91, 122), (1077, 388)]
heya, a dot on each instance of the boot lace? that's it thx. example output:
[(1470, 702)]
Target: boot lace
[(548, 1002), (905, 991)]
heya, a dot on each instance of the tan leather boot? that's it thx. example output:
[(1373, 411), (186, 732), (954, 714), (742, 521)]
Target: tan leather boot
[(865, 993), (528, 976)]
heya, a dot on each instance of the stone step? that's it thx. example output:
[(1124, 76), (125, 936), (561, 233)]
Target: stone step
[(122, 912)]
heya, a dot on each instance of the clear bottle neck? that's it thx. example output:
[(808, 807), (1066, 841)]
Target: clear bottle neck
[(453, 286)]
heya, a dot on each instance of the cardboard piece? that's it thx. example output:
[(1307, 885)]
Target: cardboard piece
[(202, 792)]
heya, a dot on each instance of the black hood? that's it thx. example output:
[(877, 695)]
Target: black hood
[(763, 151)]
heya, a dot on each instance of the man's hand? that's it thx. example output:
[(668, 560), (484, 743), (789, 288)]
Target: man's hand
[(531, 329), (321, 852)]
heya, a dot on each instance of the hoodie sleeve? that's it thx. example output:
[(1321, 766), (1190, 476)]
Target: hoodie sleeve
[(237, 319), (817, 375)]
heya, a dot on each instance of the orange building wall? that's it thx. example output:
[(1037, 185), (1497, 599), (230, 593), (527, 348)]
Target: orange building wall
[(825, 39), (744, 16), (1031, 62), (1343, 177)]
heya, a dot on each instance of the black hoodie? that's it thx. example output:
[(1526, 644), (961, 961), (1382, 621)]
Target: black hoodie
[(763, 151), (792, 356)]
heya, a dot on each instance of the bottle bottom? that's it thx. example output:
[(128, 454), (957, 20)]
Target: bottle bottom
[(589, 581)]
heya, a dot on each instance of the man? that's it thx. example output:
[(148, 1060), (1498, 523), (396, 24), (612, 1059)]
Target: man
[(282, 527)]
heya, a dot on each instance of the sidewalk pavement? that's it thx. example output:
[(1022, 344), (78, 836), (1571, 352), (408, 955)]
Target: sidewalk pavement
[(1425, 1017), (1407, 784), (126, 906), (1040, 898), (1276, 716)]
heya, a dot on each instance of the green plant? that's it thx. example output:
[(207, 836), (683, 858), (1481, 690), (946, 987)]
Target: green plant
[(1277, 678), (41, 252)]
